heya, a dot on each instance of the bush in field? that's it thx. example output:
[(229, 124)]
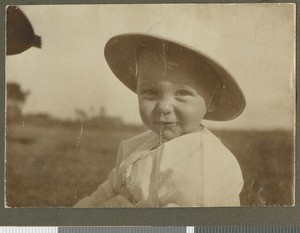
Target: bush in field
[(15, 100)]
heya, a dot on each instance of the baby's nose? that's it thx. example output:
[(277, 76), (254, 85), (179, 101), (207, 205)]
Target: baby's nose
[(165, 106)]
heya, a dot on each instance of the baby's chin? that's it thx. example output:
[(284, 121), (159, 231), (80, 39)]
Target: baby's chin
[(168, 134)]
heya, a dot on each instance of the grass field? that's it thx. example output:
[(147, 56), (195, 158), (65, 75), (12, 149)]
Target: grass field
[(55, 166)]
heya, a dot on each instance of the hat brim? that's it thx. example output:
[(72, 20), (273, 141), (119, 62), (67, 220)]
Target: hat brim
[(120, 54)]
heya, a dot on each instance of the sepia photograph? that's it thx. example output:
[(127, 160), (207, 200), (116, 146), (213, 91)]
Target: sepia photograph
[(150, 105)]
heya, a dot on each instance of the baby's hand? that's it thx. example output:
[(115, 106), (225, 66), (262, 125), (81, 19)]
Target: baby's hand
[(118, 201)]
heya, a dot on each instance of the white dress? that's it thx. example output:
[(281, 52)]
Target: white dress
[(193, 170)]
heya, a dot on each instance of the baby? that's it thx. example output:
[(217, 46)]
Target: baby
[(178, 162)]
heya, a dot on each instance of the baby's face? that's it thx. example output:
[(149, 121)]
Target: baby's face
[(170, 101)]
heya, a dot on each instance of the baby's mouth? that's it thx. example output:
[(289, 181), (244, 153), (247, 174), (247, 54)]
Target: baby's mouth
[(166, 123)]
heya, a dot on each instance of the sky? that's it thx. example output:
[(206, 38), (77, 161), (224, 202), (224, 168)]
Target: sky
[(254, 42)]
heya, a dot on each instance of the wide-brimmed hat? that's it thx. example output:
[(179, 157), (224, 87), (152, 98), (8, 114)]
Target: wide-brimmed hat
[(120, 53)]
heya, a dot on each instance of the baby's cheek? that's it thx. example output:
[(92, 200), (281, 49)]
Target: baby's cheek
[(145, 111), (192, 115), (185, 111)]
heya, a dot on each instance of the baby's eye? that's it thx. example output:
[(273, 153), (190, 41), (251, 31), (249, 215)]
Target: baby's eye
[(149, 92), (183, 93)]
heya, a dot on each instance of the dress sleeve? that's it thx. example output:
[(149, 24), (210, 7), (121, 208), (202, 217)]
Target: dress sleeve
[(224, 182), (233, 197), (234, 182), (198, 173), (180, 175), (106, 190), (187, 190)]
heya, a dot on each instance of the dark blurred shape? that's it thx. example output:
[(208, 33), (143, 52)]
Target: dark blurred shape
[(15, 100), (19, 32), (14, 91)]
